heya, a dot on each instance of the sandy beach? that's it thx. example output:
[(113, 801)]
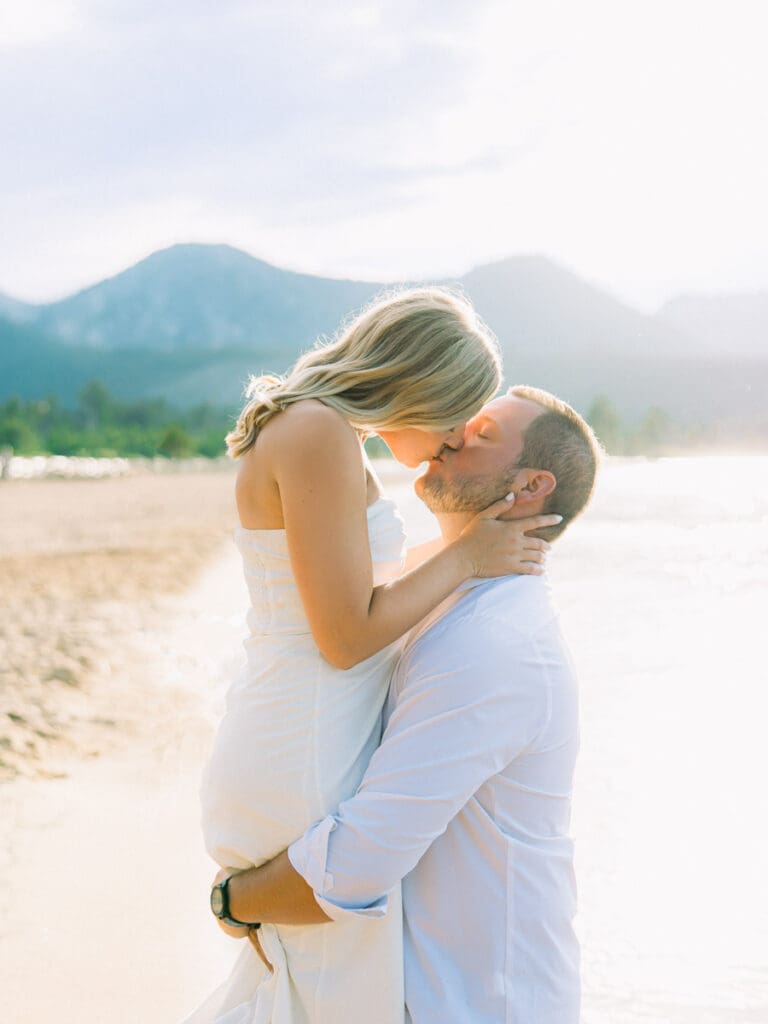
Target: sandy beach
[(122, 607), (87, 569)]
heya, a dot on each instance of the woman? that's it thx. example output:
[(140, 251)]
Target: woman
[(322, 550)]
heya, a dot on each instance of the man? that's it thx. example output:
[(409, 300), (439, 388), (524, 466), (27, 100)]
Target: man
[(467, 800)]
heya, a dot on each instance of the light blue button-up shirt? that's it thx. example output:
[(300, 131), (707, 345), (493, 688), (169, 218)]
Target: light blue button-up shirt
[(468, 800)]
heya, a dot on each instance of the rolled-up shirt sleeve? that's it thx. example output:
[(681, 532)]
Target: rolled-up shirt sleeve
[(460, 717)]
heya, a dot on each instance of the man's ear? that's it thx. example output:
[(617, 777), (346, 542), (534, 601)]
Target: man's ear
[(533, 485)]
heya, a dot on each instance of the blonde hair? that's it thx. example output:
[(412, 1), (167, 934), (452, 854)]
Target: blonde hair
[(415, 358)]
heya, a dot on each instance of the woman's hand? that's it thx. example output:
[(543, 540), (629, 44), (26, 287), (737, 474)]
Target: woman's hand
[(499, 547), (252, 934), (255, 941)]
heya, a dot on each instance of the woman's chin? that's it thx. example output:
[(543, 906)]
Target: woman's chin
[(411, 462)]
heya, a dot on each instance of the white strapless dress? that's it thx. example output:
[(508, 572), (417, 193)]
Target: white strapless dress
[(296, 738)]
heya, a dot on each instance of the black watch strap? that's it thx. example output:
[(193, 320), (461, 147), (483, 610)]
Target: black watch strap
[(220, 906)]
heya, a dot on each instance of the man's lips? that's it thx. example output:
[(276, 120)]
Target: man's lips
[(440, 455)]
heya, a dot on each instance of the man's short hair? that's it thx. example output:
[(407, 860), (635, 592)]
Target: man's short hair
[(561, 442)]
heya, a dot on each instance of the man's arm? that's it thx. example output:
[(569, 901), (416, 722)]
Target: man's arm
[(463, 715), (274, 892)]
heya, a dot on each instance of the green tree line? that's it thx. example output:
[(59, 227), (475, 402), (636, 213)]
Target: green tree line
[(101, 425), (657, 433), (653, 435)]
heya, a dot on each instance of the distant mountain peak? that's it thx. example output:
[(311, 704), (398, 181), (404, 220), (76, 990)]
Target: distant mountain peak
[(15, 310), (199, 250), (545, 271), (520, 261), (195, 295)]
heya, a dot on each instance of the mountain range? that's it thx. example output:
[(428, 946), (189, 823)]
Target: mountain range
[(191, 322)]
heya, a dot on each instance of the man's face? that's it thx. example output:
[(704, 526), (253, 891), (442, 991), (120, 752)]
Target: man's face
[(475, 476)]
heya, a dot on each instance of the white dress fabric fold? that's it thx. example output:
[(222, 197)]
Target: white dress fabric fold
[(295, 740)]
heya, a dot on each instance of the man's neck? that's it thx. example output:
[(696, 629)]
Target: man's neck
[(452, 523)]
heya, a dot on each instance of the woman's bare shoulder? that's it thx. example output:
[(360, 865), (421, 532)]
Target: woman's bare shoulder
[(308, 444), (310, 422)]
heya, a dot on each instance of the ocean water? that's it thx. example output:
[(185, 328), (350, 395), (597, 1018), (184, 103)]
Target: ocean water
[(663, 588)]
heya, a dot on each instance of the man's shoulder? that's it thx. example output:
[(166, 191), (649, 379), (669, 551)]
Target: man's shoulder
[(498, 642), (498, 646), (520, 605), (490, 619)]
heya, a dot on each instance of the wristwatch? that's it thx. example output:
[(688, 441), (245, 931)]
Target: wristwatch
[(220, 906)]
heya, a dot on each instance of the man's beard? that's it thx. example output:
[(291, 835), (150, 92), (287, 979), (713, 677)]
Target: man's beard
[(462, 494)]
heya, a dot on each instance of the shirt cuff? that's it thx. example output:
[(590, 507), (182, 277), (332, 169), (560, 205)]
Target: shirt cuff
[(309, 856)]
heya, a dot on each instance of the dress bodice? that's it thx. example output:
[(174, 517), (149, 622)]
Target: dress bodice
[(275, 603)]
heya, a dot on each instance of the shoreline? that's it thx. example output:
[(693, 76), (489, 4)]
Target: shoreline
[(97, 467)]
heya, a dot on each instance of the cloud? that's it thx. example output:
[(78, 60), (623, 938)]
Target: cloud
[(267, 113), (364, 137), (148, 94)]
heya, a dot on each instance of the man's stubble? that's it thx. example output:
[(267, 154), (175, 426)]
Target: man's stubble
[(463, 494)]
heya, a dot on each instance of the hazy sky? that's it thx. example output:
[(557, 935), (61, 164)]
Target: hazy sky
[(626, 140)]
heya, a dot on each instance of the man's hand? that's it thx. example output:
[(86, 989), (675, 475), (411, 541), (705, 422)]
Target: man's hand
[(228, 929), (248, 931), (231, 931)]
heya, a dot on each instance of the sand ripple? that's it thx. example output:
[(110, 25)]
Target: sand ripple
[(86, 569)]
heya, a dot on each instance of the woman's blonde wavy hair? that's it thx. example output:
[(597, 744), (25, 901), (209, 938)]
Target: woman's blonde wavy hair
[(415, 358)]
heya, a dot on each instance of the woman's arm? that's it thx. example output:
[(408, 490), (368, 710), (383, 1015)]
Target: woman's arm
[(421, 552), (314, 456)]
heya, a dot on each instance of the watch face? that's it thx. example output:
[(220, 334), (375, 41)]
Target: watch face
[(217, 901)]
